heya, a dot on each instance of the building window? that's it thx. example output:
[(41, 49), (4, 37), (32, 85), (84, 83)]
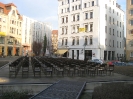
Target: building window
[(68, 1), (106, 17), (72, 8), (66, 19), (117, 23), (77, 29), (131, 54), (113, 43), (120, 34), (105, 29), (110, 9), (62, 20), (86, 28), (113, 10), (113, 32), (0, 28), (92, 3), (91, 15), (62, 3), (110, 31), (77, 17), (91, 40), (113, 21), (65, 41), (73, 29), (86, 15), (131, 31), (1, 10), (120, 24), (86, 41), (73, 41), (67, 9), (110, 20), (117, 34), (131, 22), (106, 42), (76, 7), (131, 2), (62, 30), (73, 17), (62, 41), (106, 6), (120, 44), (77, 41), (66, 30), (131, 12), (91, 27), (79, 6), (131, 43), (85, 5), (72, 0), (117, 44)]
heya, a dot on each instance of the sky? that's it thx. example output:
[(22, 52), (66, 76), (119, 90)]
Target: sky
[(44, 10)]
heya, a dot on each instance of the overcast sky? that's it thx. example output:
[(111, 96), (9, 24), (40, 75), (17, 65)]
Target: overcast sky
[(43, 10)]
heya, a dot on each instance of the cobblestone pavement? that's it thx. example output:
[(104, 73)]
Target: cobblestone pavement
[(4, 76)]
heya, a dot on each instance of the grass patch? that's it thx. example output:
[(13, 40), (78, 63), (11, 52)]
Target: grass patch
[(86, 95), (113, 91), (13, 94), (124, 70), (2, 63)]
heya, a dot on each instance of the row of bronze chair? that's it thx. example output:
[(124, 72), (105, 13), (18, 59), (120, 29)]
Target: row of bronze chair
[(14, 67), (73, 67)]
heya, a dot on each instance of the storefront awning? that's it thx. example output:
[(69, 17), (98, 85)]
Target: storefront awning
[(2, 34), (61, 51)]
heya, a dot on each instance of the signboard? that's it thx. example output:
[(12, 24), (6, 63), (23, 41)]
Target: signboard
[(81, 29), (2, 34)]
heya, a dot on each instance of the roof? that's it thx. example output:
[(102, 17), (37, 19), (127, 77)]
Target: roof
[(11, 4), (55, 32), (6, 11)]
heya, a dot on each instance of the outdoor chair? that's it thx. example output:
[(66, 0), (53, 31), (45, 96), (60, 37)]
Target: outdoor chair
[(110, 69)]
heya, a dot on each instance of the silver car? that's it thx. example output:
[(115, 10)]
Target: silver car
[(96, 61)]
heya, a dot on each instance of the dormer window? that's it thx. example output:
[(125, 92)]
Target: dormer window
[(1, 10), (13, 12)]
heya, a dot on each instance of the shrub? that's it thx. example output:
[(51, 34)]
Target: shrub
[(13, 94), (113, 91)]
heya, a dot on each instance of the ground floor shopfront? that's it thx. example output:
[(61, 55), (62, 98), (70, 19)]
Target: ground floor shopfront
[(88, 54), (9, 46)]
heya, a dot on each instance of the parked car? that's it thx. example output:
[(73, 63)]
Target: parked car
[(96, 61), (112, 62)]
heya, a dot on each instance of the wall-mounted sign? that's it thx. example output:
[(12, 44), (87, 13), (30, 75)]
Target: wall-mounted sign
[(81, 29), (2, 34)]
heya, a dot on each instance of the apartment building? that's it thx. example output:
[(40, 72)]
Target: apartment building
[(129, 30), (90, 29), (34, 30), (54, 40), (10, 30)]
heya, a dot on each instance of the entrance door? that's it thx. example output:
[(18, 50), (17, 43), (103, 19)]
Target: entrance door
[(72, 54), (77, 54), (88, 55)]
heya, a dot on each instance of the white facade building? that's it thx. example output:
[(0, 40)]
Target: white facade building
[(91, 29), (34, 30)]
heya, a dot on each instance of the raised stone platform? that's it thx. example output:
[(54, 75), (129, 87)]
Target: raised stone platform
[(62, 90)]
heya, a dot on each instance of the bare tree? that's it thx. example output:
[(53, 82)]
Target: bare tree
[(37, 46)]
